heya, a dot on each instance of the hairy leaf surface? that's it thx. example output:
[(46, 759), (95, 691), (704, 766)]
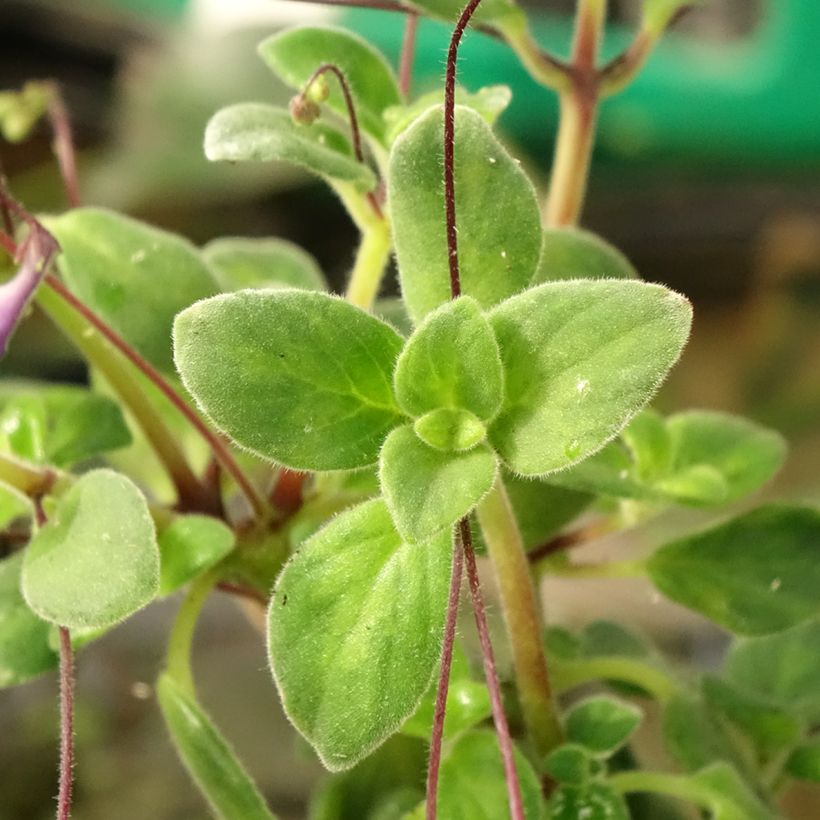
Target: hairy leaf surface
[(573, 253), (189, 545)]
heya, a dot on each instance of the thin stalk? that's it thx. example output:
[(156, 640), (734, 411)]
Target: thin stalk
[(569, 540), (522, 618), (64, 145), (669, 785), (95, 348), (182, 635), (499, 717), (610, 569), (543, 67), (570, 674), (434, 763), (617, 74), (66, 725), (29, 479), (578, 115), (408, 52), (76, 320)]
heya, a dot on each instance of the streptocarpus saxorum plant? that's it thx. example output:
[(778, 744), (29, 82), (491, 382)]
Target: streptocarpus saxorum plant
[(503, 397)]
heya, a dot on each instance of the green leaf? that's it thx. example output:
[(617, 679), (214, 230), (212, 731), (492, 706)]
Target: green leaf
[(580, 359), (499, 233), (61, 424), (96, 561), (239, 263), (744, 454), (208, 757), (393, 311), (472, 784), (612, 639), (769, 727), (299, 377), (573, 253), (427, 490), (755, 574), (21, 110), (593, 801), (24, 649), (804, 761), (541, 509), (189, 545), (296, 53), (602, 724), (648, 438), (468, 703), (570, 763), (452, 360), (450, 429), (253, 132), (784, 669), (355, 630), (609, 472), (495, 12), (13, 504), (733, 799), (135, 276), (490, 102)]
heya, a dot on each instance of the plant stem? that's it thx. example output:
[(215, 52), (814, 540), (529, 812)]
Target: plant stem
[(80, 323), (439, 715), (670, 785), (521, 615), (64, 145), (543, 67), (66, 725), (29, 479), (568, 540), (371, 260), (569, 674), (616, 75), (182, 634), (408, 51), (609, 569), (576, 130), (502, 728)]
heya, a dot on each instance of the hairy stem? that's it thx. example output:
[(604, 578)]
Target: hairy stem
[(439, 715), (66, 725), (91, 335), (182, 634), (576, 130), (499, 717), (408, 52), (64, 145), (522, 618)]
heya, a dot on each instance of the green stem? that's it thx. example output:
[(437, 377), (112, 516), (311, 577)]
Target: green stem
[(569, 674), (620, 72), (522, 618), (179, 645), (669, 785), (29, 479), (542, 67), (109, 362)]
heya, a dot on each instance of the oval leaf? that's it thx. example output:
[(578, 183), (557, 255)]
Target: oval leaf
[(804, 761), (302, 378), (293, 55), (573, 253), (96, 561), (580, 359), (593, 801), (427, 490), (135, 276), (240, 263), (755, 574), (499, 224), (253, 132), (208, 757), (189, 545), (602, 724), (355, 631)]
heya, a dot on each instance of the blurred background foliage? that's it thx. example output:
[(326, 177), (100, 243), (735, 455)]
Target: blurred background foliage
[(707, 175)]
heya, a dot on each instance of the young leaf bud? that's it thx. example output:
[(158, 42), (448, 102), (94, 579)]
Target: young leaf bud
[(303, 112), (319, 90)]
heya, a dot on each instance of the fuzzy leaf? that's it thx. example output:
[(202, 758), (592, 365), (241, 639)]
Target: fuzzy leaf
[(733, 799), (755, 574), (96, 561), (299, 377), (293, 55), (427, 490), (499, 233), (472, 785), (240, 262), (804, 761), (495, 12), (24, 649), (253, 132), (573, 253), (580, 359), (208, 757), (452, 360), (649, 441), (490, 102), (135, 276), (609, 472), (592, 801), (450, 429), (602, 724), (355, 629), (783, 669), (189, 545)]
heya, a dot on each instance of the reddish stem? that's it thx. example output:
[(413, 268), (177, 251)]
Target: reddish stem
[(286, 495), (64, 146), (66, 725), (443, 683), (499, 718), (8, 244), (355, 132), (242, 592), (408, 52), (218, 447)]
